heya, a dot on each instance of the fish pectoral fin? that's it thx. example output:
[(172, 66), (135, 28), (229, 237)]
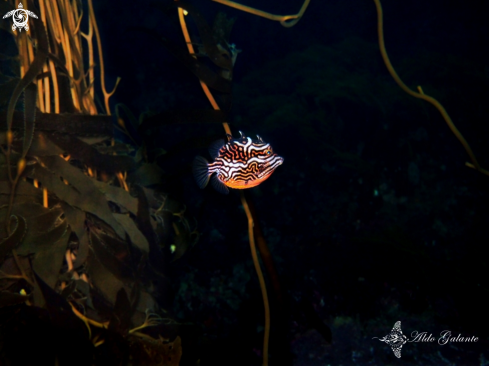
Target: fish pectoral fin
[(200, 168), (215, 147), (218, 185)]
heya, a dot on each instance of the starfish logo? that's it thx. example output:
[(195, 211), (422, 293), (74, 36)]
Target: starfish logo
[(20, 17), (395, 339)]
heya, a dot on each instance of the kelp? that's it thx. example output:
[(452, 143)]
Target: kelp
[(66, 123), (82, 151), (216, 53), (80, 234), (285, 20), (86, 236), (421, 95), (16, 236)]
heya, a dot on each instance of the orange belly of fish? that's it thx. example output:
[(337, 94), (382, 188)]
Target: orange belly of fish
[(240, 184)]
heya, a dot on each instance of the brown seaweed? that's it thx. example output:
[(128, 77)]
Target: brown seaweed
[(66, 123), (16, 236)]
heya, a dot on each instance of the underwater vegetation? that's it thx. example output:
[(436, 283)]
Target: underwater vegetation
[(111, 254), (85, 239), (369, 191), (86, 234)]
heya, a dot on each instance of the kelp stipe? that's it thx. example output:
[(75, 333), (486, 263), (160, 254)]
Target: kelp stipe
[(286, 20), (182, 10), (421, 95)]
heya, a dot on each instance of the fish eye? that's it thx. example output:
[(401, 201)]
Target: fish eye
[(269, 152)]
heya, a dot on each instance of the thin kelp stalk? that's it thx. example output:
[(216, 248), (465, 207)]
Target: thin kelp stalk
[(190, 47), (261, 279), (107, 95), (91, 72), (254, 254), (286, 20), (421, 95)]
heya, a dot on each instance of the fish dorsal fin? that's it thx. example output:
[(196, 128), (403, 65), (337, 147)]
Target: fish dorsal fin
[(215, 147), (218, 185)]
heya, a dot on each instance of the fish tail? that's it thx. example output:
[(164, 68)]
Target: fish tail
[(200, 168)]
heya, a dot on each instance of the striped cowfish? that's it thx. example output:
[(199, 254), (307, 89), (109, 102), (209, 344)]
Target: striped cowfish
[(239, 163)]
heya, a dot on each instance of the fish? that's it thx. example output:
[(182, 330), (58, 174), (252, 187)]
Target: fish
[(238, 163)]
